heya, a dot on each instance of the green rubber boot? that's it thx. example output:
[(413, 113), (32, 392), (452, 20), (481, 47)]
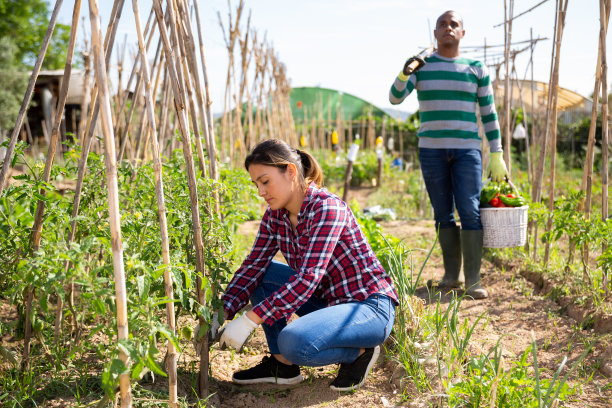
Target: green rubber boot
[(450, 242), (471, 246)]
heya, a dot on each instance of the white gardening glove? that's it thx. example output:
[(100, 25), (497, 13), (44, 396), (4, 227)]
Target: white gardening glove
[(237, 332)]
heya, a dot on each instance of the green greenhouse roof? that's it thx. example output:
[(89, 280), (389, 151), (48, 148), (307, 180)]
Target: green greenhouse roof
[(309, 101)]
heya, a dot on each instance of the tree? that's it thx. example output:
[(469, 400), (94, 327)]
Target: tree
[(13, 87), (26, 21)]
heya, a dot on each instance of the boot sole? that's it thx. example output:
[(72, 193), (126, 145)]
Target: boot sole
[(370, 365), (270, 380), (476, 295)]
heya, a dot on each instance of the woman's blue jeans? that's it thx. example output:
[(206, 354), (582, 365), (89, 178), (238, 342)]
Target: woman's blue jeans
[(453, 179), (324, 334)]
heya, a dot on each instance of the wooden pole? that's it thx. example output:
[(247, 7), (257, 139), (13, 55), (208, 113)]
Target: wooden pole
[(536, 194), (530, 174), (177, 82), (113, 198), (161, 210), (210, 136), (28, 96), (586, 185), (86, 94), (604, 13), (134, 72), (507, 106), (51, 150), (185, 38), (553, 153), (88, 136)]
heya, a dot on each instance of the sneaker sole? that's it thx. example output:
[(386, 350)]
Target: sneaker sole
[(271, 380), (370, 365)]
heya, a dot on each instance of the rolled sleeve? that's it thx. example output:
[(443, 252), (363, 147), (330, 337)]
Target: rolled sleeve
[(250, 273)]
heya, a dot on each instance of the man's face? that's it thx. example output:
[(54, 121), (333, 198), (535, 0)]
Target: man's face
[(449, 29)]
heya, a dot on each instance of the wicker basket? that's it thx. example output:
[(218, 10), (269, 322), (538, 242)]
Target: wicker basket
[(504, 227)]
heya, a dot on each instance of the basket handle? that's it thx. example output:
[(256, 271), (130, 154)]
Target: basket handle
[(507, 181)]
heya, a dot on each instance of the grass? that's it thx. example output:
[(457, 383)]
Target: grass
[(432, 345)]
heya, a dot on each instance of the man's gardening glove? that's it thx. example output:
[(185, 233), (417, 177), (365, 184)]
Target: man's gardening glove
[(412, 65), (237, 332), (497, 167)]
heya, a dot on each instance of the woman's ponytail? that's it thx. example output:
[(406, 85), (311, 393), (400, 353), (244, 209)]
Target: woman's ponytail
[(312, 169)]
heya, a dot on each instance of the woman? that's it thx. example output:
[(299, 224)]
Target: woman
[(333, 281)]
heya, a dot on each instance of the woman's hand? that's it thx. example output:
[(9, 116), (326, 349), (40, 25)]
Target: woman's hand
[(237, 332)]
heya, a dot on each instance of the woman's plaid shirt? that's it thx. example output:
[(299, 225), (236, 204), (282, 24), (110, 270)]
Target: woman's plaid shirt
[(332, 258)]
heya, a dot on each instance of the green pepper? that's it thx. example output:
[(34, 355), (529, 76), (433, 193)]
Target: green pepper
[(513, 201), (488, 193), (505, 188)]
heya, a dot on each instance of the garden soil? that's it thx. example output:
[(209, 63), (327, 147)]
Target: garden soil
[(513, 314)]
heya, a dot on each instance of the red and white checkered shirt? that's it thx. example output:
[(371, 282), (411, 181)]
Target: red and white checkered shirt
[(332, 258)]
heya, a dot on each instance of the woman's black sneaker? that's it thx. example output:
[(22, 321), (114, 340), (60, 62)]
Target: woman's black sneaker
[(352, 376), (270, 370)]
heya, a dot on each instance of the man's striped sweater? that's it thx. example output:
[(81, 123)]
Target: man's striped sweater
[(448, 90)]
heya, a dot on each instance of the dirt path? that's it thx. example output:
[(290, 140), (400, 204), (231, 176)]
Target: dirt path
[(513, 313)]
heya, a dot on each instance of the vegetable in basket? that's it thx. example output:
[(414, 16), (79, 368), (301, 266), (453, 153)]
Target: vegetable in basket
[(500, 195)]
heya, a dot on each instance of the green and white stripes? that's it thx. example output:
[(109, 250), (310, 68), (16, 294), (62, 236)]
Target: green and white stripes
[(448, 90)]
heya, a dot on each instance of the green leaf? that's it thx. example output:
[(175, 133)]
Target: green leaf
[(99, 306), (136, 370), (118, 367), (165, 331), (151, 363)]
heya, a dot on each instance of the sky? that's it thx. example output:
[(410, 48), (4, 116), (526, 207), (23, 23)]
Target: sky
[(359, 46)]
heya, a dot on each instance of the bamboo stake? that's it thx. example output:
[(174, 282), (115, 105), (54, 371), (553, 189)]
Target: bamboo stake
[(186, 46), (40, 207), (530, 174), (245, 60), (87, 138), (204, 104), (86, 94), (539, 174), (28, 96), (172, 63), (604, 10), (163, 121), (507, 107), (135, 71), (124, 137), (210, 139), (553, 154), (119, 93), (113, 198), (527, 137), (586, 185), (161, 210), (154, 90)]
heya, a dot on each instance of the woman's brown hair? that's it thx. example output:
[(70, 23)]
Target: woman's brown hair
[(276, 153)]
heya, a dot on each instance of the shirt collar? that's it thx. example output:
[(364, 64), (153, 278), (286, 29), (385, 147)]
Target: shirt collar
[(308, 197)]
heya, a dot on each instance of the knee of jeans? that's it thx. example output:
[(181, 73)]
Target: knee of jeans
[(294, 346), (471, 223)]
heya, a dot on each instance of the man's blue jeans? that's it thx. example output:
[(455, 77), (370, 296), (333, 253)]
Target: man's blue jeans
[(324, 334), (453, 179)]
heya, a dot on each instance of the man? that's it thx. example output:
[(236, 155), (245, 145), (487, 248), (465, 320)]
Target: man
[(449, 88)]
